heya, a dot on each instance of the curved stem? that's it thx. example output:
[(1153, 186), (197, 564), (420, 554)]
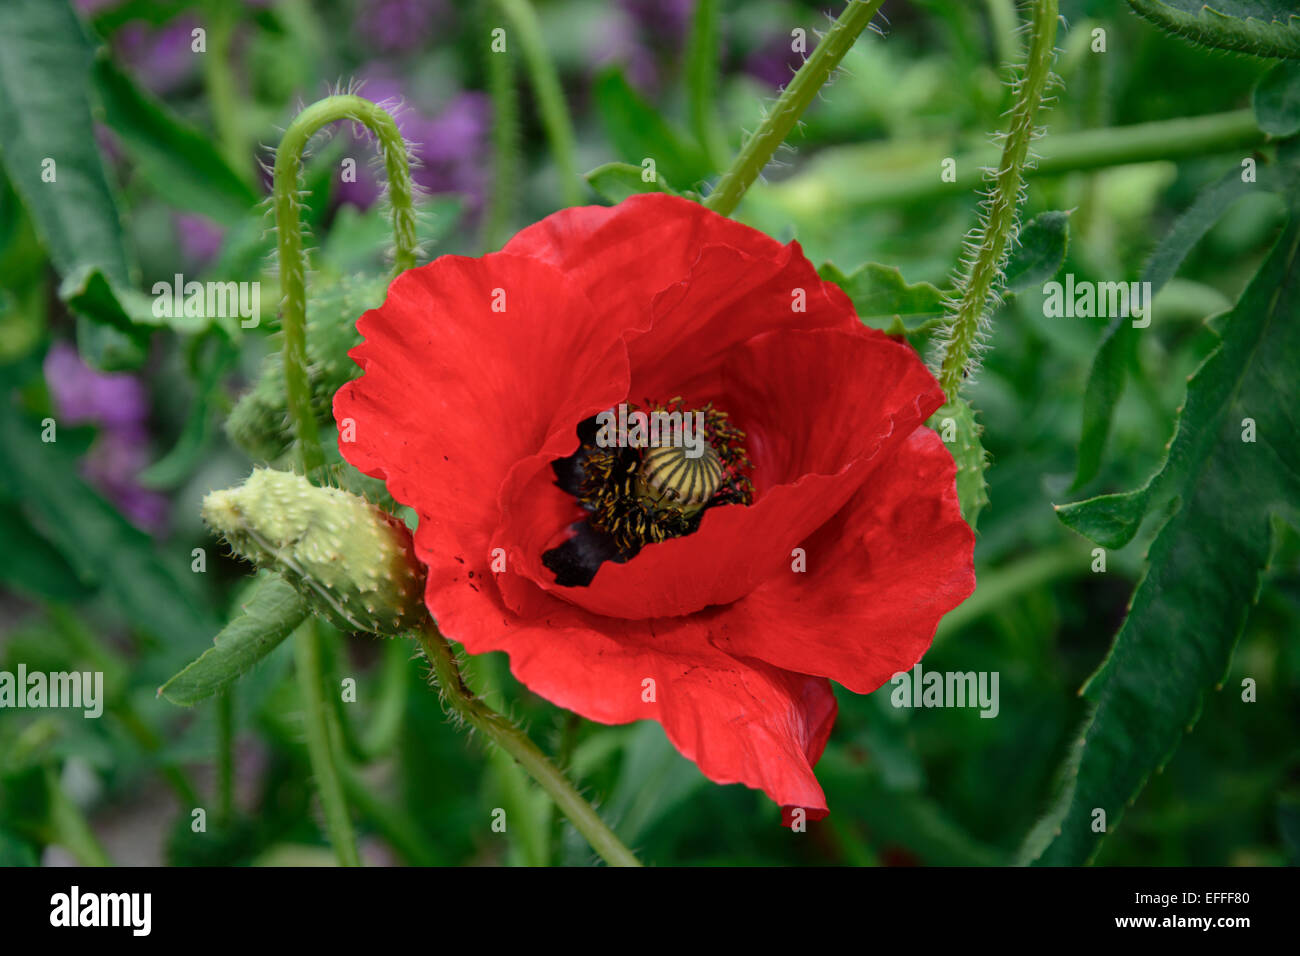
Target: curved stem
[(794, 99), (980, 284), (293, 260), (322, 750), (550, 95), (517, 744)]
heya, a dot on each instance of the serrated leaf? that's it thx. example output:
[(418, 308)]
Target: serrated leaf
[(1277, 100), (1258, 27), (616, 181), (956, 425), (45, 64), (271, 613), (177, 160), (1040, 252), (1109, 372), (884, 300), (639, 132), (1204, 564)]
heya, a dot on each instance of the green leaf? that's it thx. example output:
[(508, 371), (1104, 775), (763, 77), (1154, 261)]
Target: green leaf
[(30, 564), (1204, 564), (617, 181), (1118, 347), (157, 592), (956, 425), (884, 300), (177, 160), (638, 133), (1277, 100), (1258, 27), (45, 64), (200, 427), (653, 780), (1040, 252), (271, 613)]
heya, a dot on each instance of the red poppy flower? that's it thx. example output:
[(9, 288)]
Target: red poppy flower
[(625, 593)]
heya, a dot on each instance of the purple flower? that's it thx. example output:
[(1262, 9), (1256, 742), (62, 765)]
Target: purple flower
[(664, 22), (199, 236), (399, 26), (774, 62), (162, 57), (450, 148), (117, 404)]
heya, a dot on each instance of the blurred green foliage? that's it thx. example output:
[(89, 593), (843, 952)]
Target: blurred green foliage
[(85, 589)]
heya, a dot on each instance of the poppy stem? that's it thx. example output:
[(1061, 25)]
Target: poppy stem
[(293, 259), (794, 99), (978, 287), (494, 726)]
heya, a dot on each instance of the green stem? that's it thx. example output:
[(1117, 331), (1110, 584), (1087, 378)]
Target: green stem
[(322, 748), (504, 195), (219, 84), (293, 260), (69, 827), (226, 755), (980, 283), (550, 95), (794, 99), (563, 754), (834, 184), (702, 80), (517, 744)]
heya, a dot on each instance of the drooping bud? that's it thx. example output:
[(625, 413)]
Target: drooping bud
[(353, 562), (259, 422)]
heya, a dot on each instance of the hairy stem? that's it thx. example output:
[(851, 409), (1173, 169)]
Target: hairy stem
[(550, 96), (517, 744), (794, 99), (979, 285), (293, 260)]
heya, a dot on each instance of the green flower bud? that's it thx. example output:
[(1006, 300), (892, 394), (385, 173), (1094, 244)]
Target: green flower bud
[(353, 562), (260, 423)]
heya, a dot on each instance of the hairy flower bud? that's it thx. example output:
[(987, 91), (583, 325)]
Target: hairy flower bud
[(259, 423), (352, 561)]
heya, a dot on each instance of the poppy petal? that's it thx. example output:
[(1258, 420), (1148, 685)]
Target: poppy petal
[(879, 576)]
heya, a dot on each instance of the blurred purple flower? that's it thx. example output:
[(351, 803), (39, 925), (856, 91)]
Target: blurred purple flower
[(399, 26), (774, 62), (451, 148), (664, 22), (118, 406), (162, 57), (199, 236)]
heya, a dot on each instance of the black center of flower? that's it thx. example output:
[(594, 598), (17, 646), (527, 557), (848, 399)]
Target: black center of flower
[(644, 475)]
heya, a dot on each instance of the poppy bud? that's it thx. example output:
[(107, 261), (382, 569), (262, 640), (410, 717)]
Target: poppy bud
[(351, 560), (259, 423)]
